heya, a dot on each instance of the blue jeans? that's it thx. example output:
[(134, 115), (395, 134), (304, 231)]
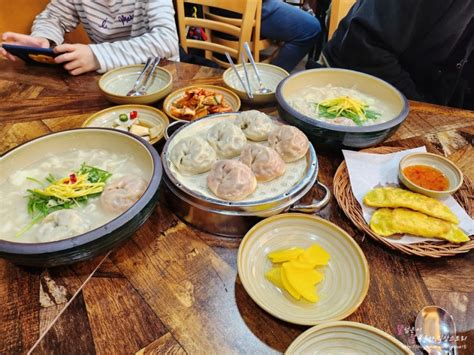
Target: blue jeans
[(298, 30)]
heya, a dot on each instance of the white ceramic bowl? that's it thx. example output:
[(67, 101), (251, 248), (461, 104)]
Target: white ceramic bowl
[(115, 85), (342, 338), (445, 166), (271, 76)]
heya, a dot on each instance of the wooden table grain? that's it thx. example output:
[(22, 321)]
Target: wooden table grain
[(174, 289)]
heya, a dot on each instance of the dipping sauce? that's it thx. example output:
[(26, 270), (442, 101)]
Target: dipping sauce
[(427, 177)]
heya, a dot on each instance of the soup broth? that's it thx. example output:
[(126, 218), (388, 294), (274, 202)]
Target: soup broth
[(86, 216), (306, 102)]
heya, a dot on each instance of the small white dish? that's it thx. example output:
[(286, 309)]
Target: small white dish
[(452, 173), (346, 338)]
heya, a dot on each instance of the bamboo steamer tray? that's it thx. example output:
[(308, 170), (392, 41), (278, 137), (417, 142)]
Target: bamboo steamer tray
[(348, 203)]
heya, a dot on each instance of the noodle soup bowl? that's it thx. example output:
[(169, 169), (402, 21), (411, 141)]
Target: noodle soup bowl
[(108, 235), (325, 134)]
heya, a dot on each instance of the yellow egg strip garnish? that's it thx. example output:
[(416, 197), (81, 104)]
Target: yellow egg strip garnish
[(65, 189)]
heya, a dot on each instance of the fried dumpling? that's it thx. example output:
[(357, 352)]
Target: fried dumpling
[(227, 139), (255, 124), (289, 142), (265, 162), (386, 222), (193, 156), (231, 180), (395, 197)]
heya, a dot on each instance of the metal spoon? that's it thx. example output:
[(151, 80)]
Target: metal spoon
[(436, 331), (262, 89), (134, 90)]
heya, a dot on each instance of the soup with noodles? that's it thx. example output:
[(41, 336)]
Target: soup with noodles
[(339, 106), (59, 197)]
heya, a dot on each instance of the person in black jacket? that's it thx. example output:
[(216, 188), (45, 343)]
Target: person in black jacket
[(425, 48)]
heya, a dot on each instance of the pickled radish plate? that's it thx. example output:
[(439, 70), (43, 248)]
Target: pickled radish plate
[(303, 269)]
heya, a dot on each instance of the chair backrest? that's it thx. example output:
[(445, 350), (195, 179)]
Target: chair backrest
[(238, 28), (339, 10), (18, 16), (256, 45)]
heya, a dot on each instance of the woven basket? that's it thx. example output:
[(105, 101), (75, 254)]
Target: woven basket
[(352, 209)]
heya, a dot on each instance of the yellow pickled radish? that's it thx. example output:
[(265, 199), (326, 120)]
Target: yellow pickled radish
[(283, 255), (296, 274), (288, 287), (315, 255), (274, 276), (302, 280)]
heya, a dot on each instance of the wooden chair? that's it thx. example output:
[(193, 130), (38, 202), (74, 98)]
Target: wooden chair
[(18, 16), (238, 28), (257, 44), (339, 10)]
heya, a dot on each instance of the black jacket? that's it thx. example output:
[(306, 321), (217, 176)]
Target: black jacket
[(415, 45)]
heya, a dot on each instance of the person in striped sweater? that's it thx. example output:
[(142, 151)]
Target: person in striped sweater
[(122, 32)]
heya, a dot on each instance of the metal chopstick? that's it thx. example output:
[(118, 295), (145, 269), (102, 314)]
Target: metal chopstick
[(246, 75), (231, 62)]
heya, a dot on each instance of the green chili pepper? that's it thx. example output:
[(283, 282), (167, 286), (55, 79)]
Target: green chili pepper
[(123, 117)]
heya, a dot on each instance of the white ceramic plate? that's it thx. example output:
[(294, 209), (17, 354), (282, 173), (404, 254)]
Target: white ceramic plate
[(346, 276), (346, 338)]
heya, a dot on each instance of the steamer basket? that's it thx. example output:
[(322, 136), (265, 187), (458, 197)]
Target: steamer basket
[(234, 218)]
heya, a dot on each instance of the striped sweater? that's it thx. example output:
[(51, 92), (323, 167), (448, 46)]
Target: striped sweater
[(122, 32)]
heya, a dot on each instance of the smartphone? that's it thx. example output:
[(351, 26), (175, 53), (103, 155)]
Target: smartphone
[(34, 55)]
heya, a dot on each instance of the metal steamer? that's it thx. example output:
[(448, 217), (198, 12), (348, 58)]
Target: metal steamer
[(234, 218)]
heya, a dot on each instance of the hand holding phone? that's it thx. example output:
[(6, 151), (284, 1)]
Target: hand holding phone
[(19, 39)]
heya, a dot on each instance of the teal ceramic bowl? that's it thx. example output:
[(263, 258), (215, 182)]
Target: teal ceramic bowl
[(323, 134), (100, 240)]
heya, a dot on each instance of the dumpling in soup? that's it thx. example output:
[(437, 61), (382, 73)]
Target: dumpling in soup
[(289, 142), (193, 156), (255, 124), (265, 162), (60, 225), (231, 180), (119, 195), (227, 139)]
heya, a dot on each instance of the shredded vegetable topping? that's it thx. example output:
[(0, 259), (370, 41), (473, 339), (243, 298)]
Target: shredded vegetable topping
[(64, 193), (346, 107)]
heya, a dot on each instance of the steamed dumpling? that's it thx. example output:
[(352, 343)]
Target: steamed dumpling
[(265, 162), (289, 142), (231, 180), (119, 195), (60, 225), (193, 156), (227, 139), (255, 124)]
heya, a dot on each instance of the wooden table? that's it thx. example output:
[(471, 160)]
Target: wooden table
[(173, 288)]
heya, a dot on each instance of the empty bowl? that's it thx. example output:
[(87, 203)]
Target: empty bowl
[(271, 76), (444, 169), (115, 85)]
